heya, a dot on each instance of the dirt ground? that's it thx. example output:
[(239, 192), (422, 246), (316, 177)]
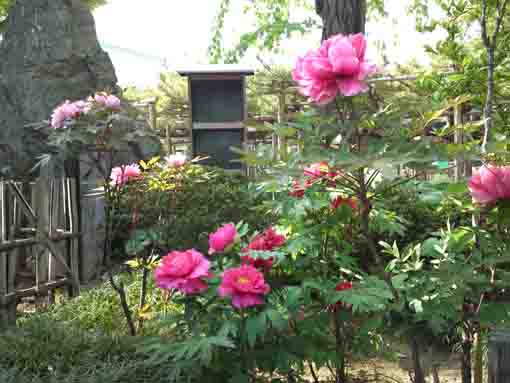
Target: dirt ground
[(381, 371)]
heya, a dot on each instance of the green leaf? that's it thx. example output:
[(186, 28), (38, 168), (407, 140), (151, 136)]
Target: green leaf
[(229, 328), (398, 281), (239, 377), (255, 327), (294, 295), (221, 341), (277, 319), (457, 188)]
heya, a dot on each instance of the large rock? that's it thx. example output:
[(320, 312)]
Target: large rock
[(50, 53), (10, 119)]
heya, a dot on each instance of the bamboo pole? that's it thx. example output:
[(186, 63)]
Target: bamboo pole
[(458, 171), (282, 119), (72, 200), (42, 289), (4, 311)]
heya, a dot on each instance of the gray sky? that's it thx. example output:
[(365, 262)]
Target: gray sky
[(140, 35)]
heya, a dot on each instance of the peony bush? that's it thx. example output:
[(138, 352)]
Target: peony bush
[(357, 253), (335, 254)]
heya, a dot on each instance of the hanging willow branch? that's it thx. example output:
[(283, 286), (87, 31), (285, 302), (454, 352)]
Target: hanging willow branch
[(215, 50)]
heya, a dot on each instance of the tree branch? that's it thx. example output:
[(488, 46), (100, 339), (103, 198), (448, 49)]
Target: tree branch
[(121, 291), (490, 46), (499, 20), (312, 371), (483, 24)]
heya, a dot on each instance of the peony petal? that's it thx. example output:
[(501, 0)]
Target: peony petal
[(366, 70), (224, 291), (359, 44), (505, 179), (351, 87), (193, 286), (222, 238), (201, 270), (490, 180), (241, 301), (317, 68), (480, 188), (323, 92), (343, 57), (346, 66)]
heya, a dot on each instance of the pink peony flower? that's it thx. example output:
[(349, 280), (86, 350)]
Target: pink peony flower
[(101, 98), (222, 238), (298, 189), (175, 160), (267, 241), (339, 201), (338, 66), (273, 239), (83, 106), (67, 110), (320, 171), (184, 271), (262, 264), (246, 286), (490, 184), (341, 287), (112, 102), (122, 174), (317, 170)]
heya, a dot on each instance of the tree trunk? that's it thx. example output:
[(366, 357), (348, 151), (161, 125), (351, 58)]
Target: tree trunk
[(341, 16), (467, 346), (419, 376)]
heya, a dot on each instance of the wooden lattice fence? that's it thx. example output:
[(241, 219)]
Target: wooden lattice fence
[(39, 241)]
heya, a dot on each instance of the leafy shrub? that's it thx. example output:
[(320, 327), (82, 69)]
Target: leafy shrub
[(182, 204), (419, 216)]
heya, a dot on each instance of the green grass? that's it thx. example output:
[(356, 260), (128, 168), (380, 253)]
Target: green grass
[(42, 350), (98, 309), (81, 340)]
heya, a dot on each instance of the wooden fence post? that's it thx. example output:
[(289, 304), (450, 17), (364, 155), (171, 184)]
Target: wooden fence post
[(499, 356), (7, 261), (153, 117), (72, 202), (41, 197)]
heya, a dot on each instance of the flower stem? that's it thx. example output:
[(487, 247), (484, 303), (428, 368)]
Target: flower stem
[(243, 336)]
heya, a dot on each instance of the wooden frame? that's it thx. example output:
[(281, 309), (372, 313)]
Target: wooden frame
[(218, 73), (50, 208)]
